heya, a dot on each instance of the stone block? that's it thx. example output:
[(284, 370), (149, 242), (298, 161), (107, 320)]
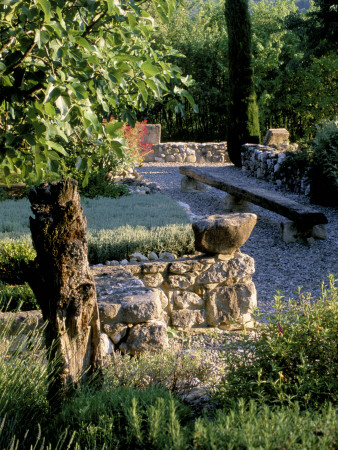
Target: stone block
[(153, 135), (236, 204), (228, 303), (189, 184), (186, 318), (150, 337), (186, 299), (107, 346), (223, 233), (276, 136), (291, 232), (153, 280), (181, 267), (25, 321), (180, 281), (229, 272)]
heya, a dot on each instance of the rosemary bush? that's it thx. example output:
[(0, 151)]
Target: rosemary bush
[(292, 359)]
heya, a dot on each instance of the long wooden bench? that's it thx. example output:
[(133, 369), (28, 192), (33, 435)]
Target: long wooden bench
[(306, 222)]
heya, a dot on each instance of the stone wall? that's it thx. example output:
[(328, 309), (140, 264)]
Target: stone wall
[(138, 301), (265, 162), (188, 152)]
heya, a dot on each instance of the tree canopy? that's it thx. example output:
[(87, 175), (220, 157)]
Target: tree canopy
[(68, 65)]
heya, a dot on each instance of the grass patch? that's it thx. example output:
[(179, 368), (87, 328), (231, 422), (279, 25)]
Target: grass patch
[(116, 227)]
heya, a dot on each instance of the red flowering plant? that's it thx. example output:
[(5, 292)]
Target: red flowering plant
[(136, 148), (133, 146)]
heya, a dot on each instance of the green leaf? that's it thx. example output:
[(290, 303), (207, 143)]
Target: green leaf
[(184, 93), (113, 127), (63, 104), (117, 148), (50, 110), (46, 7), (131, 20), (142, 87), (57, 147), (82, 42), (41, 37), (93, 119), (149, 69)]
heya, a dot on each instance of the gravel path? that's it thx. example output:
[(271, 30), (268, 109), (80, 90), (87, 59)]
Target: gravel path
[(279, 266)]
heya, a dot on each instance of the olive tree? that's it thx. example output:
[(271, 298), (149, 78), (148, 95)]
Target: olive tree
[(66, 66)]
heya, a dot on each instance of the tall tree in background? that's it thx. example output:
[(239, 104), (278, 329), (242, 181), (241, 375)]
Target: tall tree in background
[(243, 121), (317, 29)]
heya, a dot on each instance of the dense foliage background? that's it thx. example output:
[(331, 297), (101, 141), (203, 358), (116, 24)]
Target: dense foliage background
[(296, 86)]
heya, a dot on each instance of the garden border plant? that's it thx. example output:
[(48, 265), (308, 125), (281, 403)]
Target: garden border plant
[(130, 412)]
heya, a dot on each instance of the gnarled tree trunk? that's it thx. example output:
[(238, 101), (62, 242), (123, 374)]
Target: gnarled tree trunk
[(63, 284)]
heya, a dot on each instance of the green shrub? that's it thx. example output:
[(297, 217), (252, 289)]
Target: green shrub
[(14, 298), (172, 369), (14, 257), (251, 426), (293, 358), (99, 186), (124, 418), (324, 170), (297, 163)]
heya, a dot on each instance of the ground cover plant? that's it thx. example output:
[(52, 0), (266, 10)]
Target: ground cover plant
[(135, 409), (117, 228)]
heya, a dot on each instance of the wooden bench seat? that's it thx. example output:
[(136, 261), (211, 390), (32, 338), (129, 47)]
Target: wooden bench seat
[(306, 222)]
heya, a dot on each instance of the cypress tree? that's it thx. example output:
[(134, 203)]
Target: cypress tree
[(243, 120)]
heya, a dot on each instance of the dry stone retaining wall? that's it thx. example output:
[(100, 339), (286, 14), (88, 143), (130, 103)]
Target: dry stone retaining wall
[(188, 152), (138, 301), (265, 162)]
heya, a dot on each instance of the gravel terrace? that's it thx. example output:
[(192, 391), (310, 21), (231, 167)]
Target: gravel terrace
[(279, 266)]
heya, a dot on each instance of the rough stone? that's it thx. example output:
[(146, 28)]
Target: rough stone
[(153, 256), (276, 136), (235, 204), (25, 321), (186, 299), (150, 337), (186, 318), (230, 272), (189, 184), (167, 256), (180, 281), (223, 233), (227, 303), (154, 280), (181, 267), (138, 257), (107, 346), (291, 232)]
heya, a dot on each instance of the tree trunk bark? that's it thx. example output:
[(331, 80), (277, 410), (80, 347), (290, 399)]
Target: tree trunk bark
[(64, 286)]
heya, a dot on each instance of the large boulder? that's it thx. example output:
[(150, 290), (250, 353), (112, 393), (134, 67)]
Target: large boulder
[(223, 233)]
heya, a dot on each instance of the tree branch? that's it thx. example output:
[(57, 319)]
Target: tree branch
[(15, 65)]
